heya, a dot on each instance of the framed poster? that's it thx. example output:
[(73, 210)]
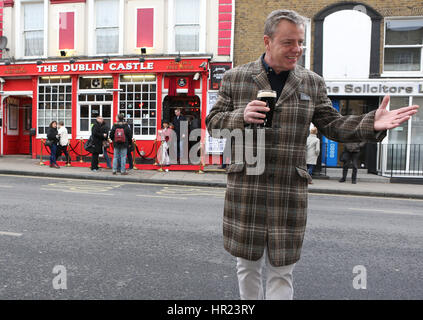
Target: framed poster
[(213, 145)]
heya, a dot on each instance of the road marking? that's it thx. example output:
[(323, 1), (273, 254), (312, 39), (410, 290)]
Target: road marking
[(316, 194), (12, 234), (167, 197), (385, 211), (80, 192), (88, 187), (108, 181), (190, 191), (5, 186)]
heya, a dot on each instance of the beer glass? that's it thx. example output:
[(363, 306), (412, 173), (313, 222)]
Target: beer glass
[(268, 96)]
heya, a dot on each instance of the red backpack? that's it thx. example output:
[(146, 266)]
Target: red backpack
[(120, 135)]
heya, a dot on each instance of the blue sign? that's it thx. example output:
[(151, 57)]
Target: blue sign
[(329, 147)]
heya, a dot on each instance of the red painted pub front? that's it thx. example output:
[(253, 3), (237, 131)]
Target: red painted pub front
[(33, 95)]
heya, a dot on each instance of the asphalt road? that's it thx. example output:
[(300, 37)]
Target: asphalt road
[(140, 241)]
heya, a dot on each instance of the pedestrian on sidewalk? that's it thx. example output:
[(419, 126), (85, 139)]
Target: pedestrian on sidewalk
[(165, 138), (53, 141), (121, 135), (265, 210), (351, 155), (63, 142), (313, 151), (99, 136), (106, 144)]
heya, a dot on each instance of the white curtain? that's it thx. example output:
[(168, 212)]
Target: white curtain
[(187, 38), (107, 26), (34, 29), (187, 28)]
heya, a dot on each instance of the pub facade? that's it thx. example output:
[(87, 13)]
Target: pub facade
[(104, 57)]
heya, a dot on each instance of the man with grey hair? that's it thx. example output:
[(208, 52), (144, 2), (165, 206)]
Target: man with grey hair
[(265, 214)]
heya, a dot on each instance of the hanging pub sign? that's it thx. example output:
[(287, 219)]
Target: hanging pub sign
[(217, 71)]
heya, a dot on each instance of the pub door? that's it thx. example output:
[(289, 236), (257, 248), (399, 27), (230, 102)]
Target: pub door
[(17, 123)]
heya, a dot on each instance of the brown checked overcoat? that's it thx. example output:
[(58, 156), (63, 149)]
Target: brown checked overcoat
[(271, 208)]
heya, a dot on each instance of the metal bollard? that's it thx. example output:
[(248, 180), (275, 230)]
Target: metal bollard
[(201, 170), (41, 153), (68, 161), (133, 155), (80, 160)]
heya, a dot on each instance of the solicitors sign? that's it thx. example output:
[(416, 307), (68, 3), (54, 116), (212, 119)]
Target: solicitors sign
[(375, 88)]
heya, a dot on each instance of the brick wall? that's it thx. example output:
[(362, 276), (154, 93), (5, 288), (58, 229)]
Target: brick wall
[(250, 16)]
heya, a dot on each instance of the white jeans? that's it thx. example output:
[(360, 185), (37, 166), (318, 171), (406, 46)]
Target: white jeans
[(278, 283)]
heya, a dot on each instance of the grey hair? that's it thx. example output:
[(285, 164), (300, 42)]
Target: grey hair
[(276, 16)]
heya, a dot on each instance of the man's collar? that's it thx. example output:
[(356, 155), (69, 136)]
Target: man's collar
[(269, 69), (265, 65)]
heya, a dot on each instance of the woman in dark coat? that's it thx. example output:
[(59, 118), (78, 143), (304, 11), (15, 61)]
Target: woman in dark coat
[(53, 136), (99, 136)]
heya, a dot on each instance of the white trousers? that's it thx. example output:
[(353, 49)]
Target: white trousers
[(278, 280)]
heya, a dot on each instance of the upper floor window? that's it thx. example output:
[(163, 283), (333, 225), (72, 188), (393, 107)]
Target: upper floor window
[(107, 26), (305, 58), (403, 45), (187, 26), (33, 29)]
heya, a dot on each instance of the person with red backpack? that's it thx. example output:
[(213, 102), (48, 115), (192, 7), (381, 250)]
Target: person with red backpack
[(121, 136)]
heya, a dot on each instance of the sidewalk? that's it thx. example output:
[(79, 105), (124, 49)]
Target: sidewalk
[(367, 184)]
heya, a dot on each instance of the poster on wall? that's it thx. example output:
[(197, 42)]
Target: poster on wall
[(213, 145)]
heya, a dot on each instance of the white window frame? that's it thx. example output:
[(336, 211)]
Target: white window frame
[(401, 73), (44, 135), (308, 42), (141, 136), (19, 28), (171, 29), (92, 47), (154, 27), (86, 134)]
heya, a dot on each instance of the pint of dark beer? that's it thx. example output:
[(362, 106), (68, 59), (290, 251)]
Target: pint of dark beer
[(268, 96)]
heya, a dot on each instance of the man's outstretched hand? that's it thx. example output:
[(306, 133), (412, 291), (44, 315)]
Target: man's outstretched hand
[(385, 119)]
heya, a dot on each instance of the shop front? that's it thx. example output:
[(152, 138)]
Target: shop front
[(76, 93), (401, 152)]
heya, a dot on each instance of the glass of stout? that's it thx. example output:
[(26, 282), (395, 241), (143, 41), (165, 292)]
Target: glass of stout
[(268, 96)]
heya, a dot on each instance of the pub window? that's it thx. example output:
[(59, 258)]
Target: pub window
[(138, 102), (92, 106), (107, 26), (403, 45), (54, 102), (33, 33), (187, 29)]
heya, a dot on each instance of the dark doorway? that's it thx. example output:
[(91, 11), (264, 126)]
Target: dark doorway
[(358, 106)]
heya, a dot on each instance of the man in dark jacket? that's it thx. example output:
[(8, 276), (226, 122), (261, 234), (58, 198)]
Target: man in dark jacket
[(53, 137), (121, 136), (179, 121), (99, 136), (351, 153)]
